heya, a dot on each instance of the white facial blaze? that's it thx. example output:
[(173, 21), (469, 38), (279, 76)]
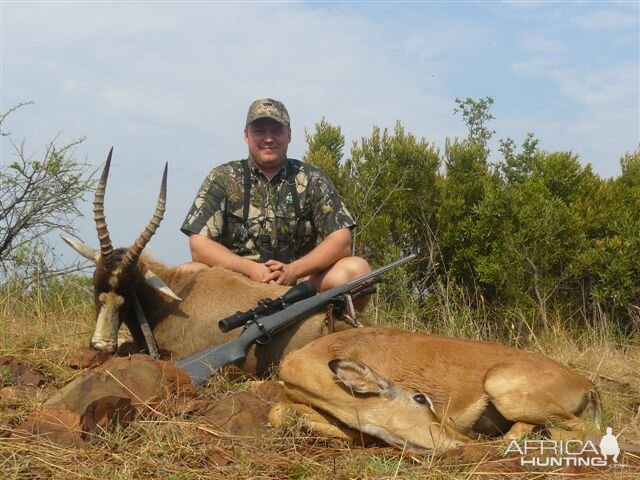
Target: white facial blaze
[(105, 336)]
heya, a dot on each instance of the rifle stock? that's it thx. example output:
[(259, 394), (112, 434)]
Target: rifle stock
[(201, 365)]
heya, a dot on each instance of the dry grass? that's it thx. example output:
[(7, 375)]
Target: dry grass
[(44, 331)]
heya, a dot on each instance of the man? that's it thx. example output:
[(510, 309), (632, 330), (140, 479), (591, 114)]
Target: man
[(263, 216)]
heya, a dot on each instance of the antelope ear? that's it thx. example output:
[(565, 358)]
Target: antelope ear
[(82, 248), (156, 282), (358, 377)]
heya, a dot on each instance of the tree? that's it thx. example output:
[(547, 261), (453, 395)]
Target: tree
[(517, 167), (466, 180), (476, 114), (38, 197), (393, 193), (389, 186), (608, 268), (324, 150), (464, 184)]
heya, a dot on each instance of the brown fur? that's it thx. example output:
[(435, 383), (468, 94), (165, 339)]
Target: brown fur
[(476, 387), (191, 325)]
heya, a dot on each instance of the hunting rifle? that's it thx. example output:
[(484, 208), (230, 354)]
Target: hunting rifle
[(201, 365)]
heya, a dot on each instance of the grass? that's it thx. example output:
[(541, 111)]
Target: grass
[(45, 328)]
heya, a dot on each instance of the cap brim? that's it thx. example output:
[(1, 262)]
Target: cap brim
[(268, 116)]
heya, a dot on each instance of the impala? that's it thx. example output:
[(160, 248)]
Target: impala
[(420, 391)]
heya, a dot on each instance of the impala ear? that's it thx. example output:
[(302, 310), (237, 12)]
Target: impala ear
[(358, 377), (83, 249), (156, 282)]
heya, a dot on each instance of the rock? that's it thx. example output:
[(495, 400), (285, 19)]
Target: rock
[(119, 390), (88, 357), (270, 391), (472, 453), (19, 373), (190, 406), (244, 413), (55, 422), (499, 468), (16, 393)]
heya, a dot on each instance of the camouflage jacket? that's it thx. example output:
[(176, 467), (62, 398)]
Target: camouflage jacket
[(272, 224)]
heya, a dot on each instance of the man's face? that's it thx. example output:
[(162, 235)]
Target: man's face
[(268, 141)]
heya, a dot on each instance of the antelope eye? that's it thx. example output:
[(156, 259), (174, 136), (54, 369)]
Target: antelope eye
[(420, 398)]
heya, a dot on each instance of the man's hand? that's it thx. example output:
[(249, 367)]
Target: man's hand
[(281, 273), (259, 272)]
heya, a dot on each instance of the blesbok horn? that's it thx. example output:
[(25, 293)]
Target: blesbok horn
[(133, 253), (83, 249), (106, 247), (158, 284)]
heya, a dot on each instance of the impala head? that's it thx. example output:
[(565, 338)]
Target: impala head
[(359, 397), (381, 408), (117, 272)]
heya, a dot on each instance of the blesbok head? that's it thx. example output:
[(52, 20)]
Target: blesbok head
[(117, 275)]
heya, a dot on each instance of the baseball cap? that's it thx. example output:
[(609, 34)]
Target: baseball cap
[(268, 108)]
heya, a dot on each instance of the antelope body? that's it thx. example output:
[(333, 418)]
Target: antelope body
[(421, 391), (182, 307)]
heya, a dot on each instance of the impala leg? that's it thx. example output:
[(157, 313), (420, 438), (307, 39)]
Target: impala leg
[(561, 434), (519, 430), (567, 430), (540, 396), (311, 420)]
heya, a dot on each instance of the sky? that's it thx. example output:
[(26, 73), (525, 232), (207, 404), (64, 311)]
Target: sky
[(172, 81)]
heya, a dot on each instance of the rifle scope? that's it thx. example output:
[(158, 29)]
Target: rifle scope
[(294, 294)]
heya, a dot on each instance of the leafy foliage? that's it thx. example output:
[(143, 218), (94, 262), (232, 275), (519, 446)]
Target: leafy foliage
[(37, 197), (536, 232), (325, 151), (476, 114)]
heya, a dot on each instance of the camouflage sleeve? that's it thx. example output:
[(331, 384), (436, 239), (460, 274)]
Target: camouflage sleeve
[(329, 213), (206, 216)]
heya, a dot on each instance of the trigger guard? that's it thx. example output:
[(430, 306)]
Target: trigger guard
[(264, 339)]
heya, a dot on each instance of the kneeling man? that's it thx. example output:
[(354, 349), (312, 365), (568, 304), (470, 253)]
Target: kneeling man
[(263, 216)]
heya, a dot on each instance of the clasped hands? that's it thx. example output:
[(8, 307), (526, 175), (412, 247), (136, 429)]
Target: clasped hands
[(275, 272)]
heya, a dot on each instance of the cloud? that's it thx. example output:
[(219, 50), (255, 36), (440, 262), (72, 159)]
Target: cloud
[(616, 84), (540, 43), (535, 66), (582, 61), (606, 122), (615, 20), (169, 83), (524, 5), (457, 39), (172, 81), (611, 84)]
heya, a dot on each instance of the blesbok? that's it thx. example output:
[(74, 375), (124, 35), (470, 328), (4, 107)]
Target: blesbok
[(420, 391), (180, 307)]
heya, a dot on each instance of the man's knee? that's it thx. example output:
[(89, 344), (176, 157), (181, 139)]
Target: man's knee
[(350, 268), (342, 271), (353, 267)]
